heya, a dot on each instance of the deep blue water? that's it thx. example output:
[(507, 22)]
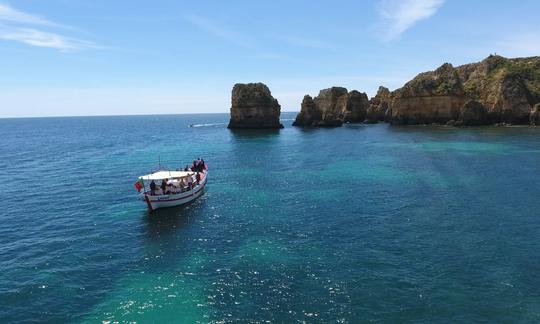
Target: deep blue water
[(352, 224)]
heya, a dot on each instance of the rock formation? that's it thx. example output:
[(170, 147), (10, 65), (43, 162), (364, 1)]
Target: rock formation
[(332, 107), (356, 105), (431, 97), (252, 106), (309, 114), (380, 106), (323, 110), (496, 90)]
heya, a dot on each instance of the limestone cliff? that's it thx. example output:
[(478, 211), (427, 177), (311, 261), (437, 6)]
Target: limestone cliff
[(431, 97), (332, 107), (252, 106), (496, 90), (380, 106)]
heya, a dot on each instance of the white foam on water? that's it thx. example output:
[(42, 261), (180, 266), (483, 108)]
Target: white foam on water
[(207, 125)]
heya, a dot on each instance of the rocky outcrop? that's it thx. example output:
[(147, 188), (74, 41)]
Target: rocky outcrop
[(431, 97), (356, 105), (309, 114), (252, 106), (332, 107), (496, 90), (508, 88), (380, 106)]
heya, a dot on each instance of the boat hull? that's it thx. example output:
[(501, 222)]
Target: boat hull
[(173, 200)]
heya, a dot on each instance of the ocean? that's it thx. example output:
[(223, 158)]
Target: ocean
[(353, 224)]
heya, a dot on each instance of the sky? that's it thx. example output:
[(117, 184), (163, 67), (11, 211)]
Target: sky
[(102, 57)]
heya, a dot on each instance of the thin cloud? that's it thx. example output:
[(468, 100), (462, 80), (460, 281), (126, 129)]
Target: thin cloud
[(18, 26), (398, 16), (9, 14), (40, 38), (218, 30)]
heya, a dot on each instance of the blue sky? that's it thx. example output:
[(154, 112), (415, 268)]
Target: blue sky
[(101, 57)]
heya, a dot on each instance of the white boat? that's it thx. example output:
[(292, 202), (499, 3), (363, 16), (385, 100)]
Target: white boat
[(181, 187)]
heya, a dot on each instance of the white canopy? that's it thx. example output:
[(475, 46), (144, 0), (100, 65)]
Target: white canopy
[(166, 175)]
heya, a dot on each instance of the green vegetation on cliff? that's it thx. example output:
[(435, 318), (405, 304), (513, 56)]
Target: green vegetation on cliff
[(495, 69), (507, 88)]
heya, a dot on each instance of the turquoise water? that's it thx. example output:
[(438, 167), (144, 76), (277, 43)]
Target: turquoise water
[(359, 223)]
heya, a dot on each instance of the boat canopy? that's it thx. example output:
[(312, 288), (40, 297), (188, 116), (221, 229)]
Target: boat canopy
[(166, 175)]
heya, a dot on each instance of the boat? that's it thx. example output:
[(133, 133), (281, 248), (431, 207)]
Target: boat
[(181, 187)]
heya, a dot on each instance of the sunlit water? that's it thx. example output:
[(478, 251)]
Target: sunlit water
[(359, 223)]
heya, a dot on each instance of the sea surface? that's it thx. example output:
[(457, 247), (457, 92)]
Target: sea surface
[(353, 224)]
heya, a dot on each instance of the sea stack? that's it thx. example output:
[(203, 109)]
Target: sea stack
[(252, 106), (332, 107)]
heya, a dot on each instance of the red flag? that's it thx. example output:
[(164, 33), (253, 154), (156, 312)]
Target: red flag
[(138, 186)]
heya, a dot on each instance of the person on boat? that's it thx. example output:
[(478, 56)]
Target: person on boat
[(170, 188), (190, 182), (152, 188), (186, 168), (164, 185), (203, 165), (182, 184), (198, 177)]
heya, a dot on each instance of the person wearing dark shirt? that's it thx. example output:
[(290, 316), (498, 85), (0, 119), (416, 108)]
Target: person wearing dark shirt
[(152, 188)]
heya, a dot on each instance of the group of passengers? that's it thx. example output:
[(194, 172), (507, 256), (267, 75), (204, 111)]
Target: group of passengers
[(171, 187), (197, 166), (186, 183)]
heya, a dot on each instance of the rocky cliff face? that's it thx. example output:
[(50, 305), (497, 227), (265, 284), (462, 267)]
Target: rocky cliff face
[(309, 113), (431, 97), (380, 106), (496, 90), (252, 106), (333, 107)]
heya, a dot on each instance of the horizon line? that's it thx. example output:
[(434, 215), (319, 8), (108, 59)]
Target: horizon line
[(125, 115)]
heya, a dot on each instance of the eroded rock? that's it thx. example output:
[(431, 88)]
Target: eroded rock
[(333, 107), (380, 107), (252, 106)]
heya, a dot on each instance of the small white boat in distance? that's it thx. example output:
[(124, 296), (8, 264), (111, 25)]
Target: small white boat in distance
[(166, 188)]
